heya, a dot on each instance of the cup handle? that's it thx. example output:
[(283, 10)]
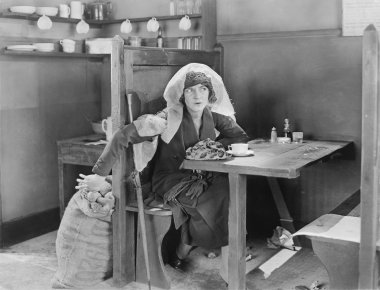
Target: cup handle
[(104, 125), (61, 42), (229, 148), (68, 10)]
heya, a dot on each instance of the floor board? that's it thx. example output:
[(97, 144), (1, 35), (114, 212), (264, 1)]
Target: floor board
[(30, 265)]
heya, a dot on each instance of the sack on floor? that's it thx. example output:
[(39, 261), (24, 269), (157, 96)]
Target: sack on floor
[(84, 242)]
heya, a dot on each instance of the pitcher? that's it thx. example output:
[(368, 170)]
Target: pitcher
[(107, 127), (77, 9)]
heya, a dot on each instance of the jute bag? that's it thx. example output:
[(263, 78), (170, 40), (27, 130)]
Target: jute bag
[(84, 243)]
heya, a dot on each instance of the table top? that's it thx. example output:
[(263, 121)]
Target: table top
[(272, 159), (95, 140)]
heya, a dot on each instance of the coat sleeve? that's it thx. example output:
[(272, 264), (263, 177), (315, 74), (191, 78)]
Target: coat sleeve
[(230, 131), (122, 138)]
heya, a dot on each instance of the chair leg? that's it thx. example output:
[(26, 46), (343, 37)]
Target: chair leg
[(156, 227)]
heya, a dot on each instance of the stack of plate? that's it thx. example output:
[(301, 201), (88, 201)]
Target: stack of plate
[(44, 46), (47, 11), (23, 9), (21, 47), (98, 45)]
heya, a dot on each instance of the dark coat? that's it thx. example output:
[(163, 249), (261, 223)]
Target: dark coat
[(206, 224)]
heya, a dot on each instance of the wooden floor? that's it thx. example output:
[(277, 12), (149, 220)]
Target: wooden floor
[(31, 265)]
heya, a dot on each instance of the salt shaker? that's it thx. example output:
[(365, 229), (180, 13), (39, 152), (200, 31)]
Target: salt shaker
[(273, 135)]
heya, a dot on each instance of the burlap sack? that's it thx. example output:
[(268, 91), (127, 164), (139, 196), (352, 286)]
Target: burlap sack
[(84, 244)]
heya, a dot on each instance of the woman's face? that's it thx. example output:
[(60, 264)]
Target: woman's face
[(196, 98)]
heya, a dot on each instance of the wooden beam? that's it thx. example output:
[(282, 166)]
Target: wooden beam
[(123, 222), (208, 24), (171, 57), (368, 266)]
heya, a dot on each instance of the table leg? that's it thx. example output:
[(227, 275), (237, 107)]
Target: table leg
[(61, 190), (285, 217), (237, 231)]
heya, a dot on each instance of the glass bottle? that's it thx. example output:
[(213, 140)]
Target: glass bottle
[(159, 38), (273, 135), (287, 131)]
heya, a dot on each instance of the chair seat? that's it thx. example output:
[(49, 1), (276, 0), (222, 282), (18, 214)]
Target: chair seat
[(157, 209)]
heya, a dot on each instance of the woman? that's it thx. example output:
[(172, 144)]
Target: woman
[(197, 104)]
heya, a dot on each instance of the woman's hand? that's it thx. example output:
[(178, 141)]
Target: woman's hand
[(93, 182)]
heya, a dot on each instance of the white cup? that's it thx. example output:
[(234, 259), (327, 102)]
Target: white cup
[(64, 10), (68, 45), (107, 127), (238, 148), (77, 9)]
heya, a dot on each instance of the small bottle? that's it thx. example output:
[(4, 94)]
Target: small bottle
[(159, 38), (273, 135), (287, 131)]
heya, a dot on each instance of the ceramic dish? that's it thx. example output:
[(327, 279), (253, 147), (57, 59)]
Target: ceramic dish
[(22, 47), (247, 153), (97, 127), (44, 46), (47, 11), (23, 9)]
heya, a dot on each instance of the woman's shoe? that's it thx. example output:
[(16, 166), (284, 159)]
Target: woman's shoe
[(177, 263)]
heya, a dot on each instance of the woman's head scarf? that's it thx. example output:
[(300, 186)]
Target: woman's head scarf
[(174, 91)]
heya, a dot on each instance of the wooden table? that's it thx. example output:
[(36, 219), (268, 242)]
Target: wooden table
[(75, 151), (272, 161)]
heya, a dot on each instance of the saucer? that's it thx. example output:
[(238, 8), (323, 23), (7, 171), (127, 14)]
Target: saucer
[(247, 153)]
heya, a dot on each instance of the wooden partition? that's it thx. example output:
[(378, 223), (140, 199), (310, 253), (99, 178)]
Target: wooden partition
[(368, 259), (144, 72)]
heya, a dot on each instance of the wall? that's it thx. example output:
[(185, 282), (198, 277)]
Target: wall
[(42, 100), (286, 59)]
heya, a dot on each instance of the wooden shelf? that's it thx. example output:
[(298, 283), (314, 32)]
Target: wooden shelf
[(93, 23), (52, 54)]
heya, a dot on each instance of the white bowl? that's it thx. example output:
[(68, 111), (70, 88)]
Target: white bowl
[(44, 46), (99, 45), (48, 11), (23, 9), (97, 127)]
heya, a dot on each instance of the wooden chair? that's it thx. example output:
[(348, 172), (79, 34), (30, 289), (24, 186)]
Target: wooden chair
[(349, 246), (144, 72)]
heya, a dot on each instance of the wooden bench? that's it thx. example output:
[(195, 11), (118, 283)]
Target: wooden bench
[(335, 240)]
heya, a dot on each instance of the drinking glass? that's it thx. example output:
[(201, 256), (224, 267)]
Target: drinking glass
[(297, 137)]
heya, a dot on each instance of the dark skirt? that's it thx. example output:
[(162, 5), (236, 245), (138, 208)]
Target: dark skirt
[(207, 222)]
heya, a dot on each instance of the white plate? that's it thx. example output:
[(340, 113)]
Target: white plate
[(44, 46), (47, 11), (23, 9), (248, 153), (22, 47), (45, 49)]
